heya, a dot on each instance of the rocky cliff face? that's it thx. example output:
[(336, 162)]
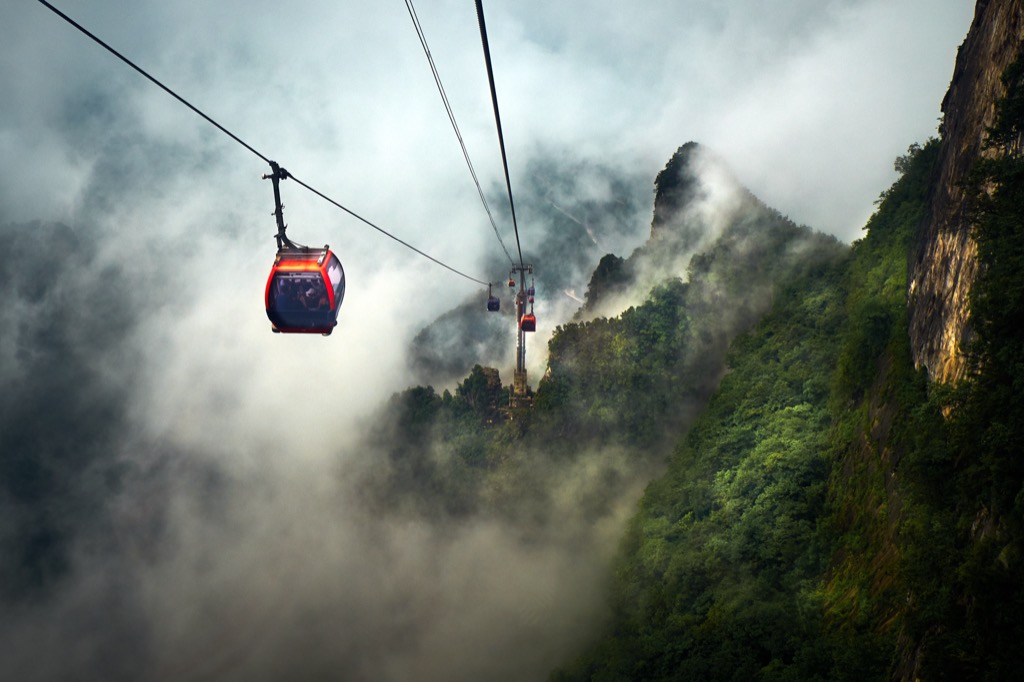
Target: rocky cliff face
[(944, 265)]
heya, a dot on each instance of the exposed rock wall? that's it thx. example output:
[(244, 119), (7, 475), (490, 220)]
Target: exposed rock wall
[(945, 264)]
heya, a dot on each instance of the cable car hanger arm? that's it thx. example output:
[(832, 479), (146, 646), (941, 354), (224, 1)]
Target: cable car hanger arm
[(277, 175)]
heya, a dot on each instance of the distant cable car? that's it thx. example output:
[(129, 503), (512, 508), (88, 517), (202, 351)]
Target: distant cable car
[(493, 304), (511, 283), (528, 323), (304, 290)]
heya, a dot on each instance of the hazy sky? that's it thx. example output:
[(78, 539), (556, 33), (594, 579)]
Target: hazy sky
[(809, 102)]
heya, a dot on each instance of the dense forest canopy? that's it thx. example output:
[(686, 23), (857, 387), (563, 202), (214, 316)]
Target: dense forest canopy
[(826, 513), (832, 515)]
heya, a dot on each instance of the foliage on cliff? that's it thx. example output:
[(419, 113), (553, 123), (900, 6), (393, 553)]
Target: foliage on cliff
[(826, 513), (749, 558), (873, 530), (970, 484), (630, 382)]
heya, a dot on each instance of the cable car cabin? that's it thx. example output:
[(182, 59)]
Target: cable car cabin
[(528, 323), (305, 290), (493, 304)]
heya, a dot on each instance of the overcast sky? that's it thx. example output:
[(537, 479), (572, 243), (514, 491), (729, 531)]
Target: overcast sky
[(809, 101)]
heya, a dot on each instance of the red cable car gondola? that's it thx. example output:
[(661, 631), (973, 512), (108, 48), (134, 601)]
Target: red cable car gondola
[(528, 323), (305, 290), (306, 285)]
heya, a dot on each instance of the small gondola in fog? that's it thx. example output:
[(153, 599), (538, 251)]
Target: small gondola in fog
[(493, 304)]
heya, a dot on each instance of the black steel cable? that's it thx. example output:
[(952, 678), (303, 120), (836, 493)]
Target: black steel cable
[(384, 232), (497, 121), (455, 126), (237, 139)]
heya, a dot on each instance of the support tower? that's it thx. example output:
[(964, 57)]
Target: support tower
[(520, 395)]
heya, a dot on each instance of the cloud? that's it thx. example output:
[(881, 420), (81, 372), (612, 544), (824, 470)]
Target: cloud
[(342, 94), (193, 470)]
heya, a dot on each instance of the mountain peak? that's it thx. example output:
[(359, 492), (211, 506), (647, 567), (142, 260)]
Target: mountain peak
[(692, 176)]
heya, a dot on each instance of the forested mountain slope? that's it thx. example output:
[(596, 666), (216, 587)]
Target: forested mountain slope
[(749, 559), (834, 514), (827, 512), (629, 383)]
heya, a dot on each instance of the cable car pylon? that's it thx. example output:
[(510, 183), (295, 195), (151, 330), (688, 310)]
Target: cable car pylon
[(525, 322)]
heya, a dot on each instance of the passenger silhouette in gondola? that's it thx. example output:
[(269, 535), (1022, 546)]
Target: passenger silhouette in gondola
[(314, 298)]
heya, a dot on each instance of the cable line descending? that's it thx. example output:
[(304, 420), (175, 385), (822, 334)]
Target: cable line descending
[(497, 121), (525, 321), (277, 174), (455, 126)]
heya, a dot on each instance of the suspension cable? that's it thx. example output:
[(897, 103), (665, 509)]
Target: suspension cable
[(385, 232), (497, 121), (252, 149), (455, 126)]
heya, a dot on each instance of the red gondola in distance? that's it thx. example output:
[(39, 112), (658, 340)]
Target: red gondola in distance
[(304, 291)]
